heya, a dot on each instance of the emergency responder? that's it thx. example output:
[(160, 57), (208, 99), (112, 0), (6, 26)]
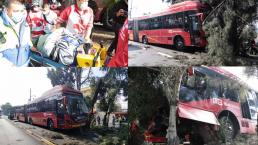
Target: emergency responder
[(78, 18), (49, 17), (36, 21), (120, 15), (15, 37), (159, 123)]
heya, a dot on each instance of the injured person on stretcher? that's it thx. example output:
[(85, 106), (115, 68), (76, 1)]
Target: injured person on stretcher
[(65, 48)]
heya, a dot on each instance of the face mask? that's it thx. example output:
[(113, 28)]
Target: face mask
[(83, 6), (17, 17)]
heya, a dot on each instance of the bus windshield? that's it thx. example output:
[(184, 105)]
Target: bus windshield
[(76, 105)]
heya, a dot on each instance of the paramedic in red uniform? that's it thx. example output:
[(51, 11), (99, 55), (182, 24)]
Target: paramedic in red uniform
[(120, 59), (78, 18), (36, 21)]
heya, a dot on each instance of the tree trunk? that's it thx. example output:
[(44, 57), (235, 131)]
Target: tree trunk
[(108, 115), (105, 119), (172, 131), (172, 96), (78, 73)]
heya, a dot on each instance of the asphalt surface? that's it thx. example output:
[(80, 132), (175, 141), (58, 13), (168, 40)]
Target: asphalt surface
[(59, 137), (12, 135), (150, 55)]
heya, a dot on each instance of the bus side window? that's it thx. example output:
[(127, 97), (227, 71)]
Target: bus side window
[(171, 22), (166, 23), (232, 95), (156, 23), (245, 106), (130, 25), (212, 88), (186, 23), (252, 105)]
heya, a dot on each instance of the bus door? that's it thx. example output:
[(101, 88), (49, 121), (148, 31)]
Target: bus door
[(135, 31), (195, 28), (60, 111), (249, 112), (252, 103)]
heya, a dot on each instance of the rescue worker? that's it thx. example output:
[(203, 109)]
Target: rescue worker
[(120, 15), (36, 21), (15, 37), (120, 59), (159, 123), (78, 18), (49, 17)]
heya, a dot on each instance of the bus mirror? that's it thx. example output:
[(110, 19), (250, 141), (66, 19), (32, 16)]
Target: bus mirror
[(190, 71), (200, 16)]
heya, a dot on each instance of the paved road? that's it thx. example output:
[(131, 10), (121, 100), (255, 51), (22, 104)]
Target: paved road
[(149, 55), (11, 135)]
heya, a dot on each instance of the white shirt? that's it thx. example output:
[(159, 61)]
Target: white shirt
[(51, 19)]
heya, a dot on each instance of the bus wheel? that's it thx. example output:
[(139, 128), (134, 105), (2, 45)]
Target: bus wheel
[(179, 43), (50, 124), (227, 129), (145, 40)]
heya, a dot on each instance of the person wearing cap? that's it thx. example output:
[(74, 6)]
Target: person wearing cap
[(36, 21), (78, 18), (119, 16), (15, 43)]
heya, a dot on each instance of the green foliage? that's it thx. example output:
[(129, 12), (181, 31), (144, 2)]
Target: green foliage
[(113, 136), (145, 94), (6, 108), (62, 76), (88, 100), (224, 27), (114, 83), (251, 71)]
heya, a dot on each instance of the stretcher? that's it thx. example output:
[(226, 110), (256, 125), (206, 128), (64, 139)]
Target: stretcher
[(96, 59)]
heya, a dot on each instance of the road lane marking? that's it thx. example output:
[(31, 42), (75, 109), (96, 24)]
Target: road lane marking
[(34, 135), (166, 55), (40, 137)]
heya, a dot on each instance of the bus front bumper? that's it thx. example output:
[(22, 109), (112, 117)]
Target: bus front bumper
[(71, 126), (197, 114)]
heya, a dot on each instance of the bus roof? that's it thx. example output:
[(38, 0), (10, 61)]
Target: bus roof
[(178, 7), (220, 73), (60, 89)]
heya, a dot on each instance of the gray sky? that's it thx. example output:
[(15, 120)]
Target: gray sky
[(15, 84), (139, 7), (239, 71)]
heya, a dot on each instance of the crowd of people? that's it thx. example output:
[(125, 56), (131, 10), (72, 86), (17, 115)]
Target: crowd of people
[(38, 25)]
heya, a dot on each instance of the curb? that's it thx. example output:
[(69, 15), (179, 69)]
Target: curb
[(39, 137), (34, 135)]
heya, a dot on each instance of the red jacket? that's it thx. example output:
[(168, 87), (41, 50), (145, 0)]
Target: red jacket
[(120, 59)]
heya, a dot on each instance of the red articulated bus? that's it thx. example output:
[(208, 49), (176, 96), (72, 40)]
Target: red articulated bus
[(20, 113), (179, 25), (212, 90), (58, 108)]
